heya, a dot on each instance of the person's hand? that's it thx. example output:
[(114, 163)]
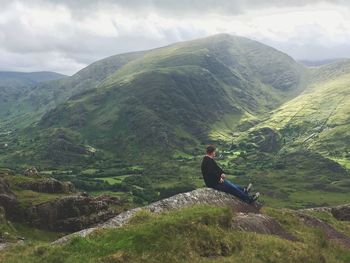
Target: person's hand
[(221, 180)]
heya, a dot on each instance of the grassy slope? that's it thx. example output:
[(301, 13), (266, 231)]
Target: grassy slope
[(318, 119), (197, 234)]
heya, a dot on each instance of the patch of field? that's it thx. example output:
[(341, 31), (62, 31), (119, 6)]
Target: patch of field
[(114, 180)]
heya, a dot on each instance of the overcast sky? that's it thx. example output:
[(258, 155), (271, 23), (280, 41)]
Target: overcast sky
[(65, 36)]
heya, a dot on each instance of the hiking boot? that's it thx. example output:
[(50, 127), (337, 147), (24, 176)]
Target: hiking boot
[(248, 188), (256, 196)]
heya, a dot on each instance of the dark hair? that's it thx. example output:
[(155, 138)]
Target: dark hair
[(210, 149)]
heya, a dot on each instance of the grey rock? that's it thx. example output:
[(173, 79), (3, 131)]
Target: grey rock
[(340, 212), (329, 232), (261, 224)]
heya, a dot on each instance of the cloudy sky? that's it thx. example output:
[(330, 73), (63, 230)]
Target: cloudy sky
[(65, 36)]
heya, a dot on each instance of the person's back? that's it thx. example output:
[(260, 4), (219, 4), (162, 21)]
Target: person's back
[(210, 171)]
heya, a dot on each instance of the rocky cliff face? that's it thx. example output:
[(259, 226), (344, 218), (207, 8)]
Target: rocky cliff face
[(48, 185), (69, 214), (7, 198)]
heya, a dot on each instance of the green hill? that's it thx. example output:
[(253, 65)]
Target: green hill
[(31, 105), (163, 99)]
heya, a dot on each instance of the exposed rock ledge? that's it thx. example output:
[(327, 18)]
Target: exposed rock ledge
[(199, 196), (340, 212), (48, 185), (247, 216)]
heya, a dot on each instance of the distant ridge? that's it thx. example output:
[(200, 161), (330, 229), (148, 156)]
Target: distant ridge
[(317, 63), (14, 78)]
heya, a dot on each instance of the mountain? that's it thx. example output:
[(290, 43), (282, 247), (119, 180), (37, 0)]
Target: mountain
[(163, 99), (15, 85)]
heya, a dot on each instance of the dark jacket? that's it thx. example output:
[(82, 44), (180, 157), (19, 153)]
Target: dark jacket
[(211, 172)]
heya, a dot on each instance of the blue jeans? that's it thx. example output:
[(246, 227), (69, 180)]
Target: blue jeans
[(236, 190)]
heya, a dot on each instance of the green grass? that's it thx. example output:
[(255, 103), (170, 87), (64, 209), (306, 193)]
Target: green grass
[(196, 234), (12, 232), (345, 162), (29, 197), (114, 179), (301, 199)]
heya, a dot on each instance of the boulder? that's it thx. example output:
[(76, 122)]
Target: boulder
[(341, 212), (49, 185), (261, 224)]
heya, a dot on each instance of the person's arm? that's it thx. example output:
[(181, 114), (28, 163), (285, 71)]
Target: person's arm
[(220, 172), (217, 171)]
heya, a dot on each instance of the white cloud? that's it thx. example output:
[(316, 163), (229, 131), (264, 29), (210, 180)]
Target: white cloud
[(65, 36)]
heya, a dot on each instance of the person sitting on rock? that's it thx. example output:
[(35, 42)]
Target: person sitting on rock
[(214, 177)]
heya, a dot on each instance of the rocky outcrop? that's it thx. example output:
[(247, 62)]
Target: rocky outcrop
[(69, 214), (341, 212), (32, 171), (49, 185), (7, 198), (261, 224), (247, 217), (329, 232), (5, 189), (199, 196)]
